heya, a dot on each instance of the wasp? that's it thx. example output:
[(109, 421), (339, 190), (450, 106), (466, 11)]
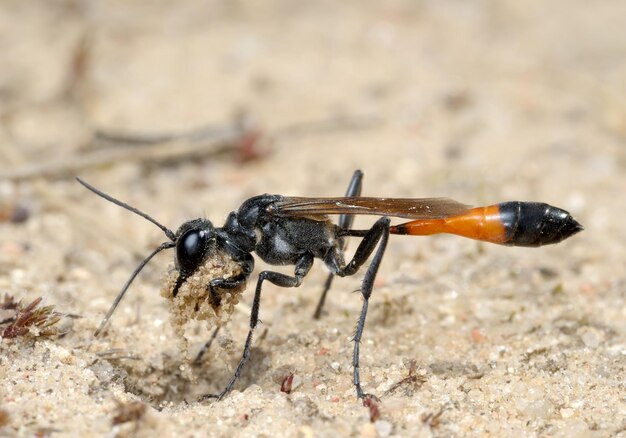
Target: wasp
[(283, 230)]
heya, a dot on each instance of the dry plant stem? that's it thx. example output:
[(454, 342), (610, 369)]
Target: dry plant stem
[(203, 141), (117, 354), (204, 133), (145, 153), (410, 378)]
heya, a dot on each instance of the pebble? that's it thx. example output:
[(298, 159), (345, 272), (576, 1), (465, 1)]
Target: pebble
[(368, 431), (383, 428), (297, 382), (591, 337), (476, 395)]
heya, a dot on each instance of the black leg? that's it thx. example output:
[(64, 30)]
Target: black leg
[(302, 268), (378, 233), (345, 222), (225, 283), (206, 347), (366, 291), (247, 263), (366, 247)]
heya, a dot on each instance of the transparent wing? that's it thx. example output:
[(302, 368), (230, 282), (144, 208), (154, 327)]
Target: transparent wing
[(410, 208)]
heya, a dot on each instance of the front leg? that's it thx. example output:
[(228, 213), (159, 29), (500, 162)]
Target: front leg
[(247, 264), (303, 265), (225, 283)]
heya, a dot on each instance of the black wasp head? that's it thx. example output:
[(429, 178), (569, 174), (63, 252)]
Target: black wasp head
[(194, 240)]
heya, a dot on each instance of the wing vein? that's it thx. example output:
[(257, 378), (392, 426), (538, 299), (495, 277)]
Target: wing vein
[(410, 208)]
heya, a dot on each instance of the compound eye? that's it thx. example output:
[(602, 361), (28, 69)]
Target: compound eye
[(190, 250)]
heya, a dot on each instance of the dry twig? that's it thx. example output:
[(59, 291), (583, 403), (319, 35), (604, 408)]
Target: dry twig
[(168, 147)]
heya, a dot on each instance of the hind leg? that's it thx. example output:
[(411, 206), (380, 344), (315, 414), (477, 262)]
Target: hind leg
[(345, 222), (377, 236)]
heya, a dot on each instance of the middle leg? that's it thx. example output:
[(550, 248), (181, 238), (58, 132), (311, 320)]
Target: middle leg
[(303, 266), (345, 222)]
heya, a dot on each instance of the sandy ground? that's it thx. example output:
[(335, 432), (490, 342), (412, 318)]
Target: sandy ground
[(480, 101)]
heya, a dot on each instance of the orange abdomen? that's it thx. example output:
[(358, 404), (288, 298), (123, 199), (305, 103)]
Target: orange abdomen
[(509, 223), (481, 223)]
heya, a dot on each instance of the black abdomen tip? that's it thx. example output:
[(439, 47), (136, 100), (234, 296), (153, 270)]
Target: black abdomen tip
[(571, 227), (536, 224)]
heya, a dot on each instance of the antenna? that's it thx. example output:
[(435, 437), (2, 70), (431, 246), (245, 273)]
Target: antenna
[(169, 233), (121, 293)]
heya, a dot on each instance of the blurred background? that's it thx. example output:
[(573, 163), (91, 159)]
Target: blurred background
[(185, 109)]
